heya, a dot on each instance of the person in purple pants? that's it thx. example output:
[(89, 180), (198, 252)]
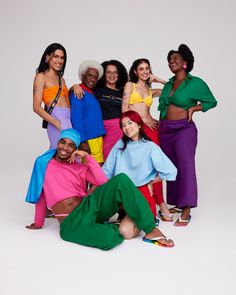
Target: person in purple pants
[(46, 86), (183, 95)]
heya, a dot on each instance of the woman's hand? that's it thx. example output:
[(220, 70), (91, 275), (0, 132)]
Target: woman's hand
[(156, 179), (33, 226), (151, 123), (197, 108), (156, 79), (150, 184), (150, 187), (78, 91), (58, 125), (77, 154)]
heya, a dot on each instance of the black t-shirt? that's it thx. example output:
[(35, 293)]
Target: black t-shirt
[(110, 101)]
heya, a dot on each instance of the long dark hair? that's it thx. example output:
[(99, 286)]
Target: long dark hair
[(132, 75), (135, 117), (43, 65), (122, 74)]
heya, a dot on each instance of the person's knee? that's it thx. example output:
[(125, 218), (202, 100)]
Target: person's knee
[(122, 177), (128, 232)]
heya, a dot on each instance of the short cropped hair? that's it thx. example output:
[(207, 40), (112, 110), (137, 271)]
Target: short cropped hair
[(90, 64)]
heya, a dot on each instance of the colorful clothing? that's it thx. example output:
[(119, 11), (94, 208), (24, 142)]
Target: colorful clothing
[(144, 189), (85, 224), (135, 97), (86, 116), (142, 161), (62, 114), (110, 101), (157, 196), (37, 176), (95, 146), (65, 180), (178, 141), (153, 135), (41, 163), (179, 138), (50, 93), (191, 91), (113, 134)]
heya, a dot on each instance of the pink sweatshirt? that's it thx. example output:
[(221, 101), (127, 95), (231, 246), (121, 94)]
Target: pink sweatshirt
[(66, 180)]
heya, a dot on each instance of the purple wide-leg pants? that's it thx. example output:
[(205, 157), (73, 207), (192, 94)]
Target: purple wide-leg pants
[(178, 140), (63, 115)]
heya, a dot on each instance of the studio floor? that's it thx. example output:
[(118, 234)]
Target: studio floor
[(39, 262)]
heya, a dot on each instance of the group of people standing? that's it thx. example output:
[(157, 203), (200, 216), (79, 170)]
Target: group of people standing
[(113, 127)]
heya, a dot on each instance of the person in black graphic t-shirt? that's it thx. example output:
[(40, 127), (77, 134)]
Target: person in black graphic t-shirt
[(109, 92)]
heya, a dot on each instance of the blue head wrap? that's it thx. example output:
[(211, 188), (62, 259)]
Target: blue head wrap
[(71, 134), (40, 166)]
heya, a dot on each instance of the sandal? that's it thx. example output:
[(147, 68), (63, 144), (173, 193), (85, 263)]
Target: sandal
[(157, 221), (175, 210), (182, 222), (164, 215), (156, 241)]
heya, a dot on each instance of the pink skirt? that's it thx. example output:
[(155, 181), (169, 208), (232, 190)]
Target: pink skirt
[(113, 134)]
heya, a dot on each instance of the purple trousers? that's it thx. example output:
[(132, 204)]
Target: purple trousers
[(178, 140), (63, 115)]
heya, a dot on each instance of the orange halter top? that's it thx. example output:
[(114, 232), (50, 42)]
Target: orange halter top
[(50, 93)]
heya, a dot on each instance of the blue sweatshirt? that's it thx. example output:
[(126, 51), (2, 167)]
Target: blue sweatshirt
[(86, 116), (142, 161)]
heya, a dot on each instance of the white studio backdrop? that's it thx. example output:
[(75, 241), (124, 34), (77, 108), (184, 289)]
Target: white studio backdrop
[(124, 30)]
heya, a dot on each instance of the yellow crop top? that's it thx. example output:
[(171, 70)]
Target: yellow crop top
[(51, 92), (135, 97)]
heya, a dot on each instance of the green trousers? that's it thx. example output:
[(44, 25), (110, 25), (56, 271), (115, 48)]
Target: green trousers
[(85, 224)]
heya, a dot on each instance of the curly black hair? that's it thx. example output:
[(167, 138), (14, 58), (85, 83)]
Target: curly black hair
[(186, 54), (132, 76), (122, 74), (43, 65)]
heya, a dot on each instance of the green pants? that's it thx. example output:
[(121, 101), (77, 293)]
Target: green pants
[(85, 224)]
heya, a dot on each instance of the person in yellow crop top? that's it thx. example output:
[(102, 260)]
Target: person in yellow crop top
[(46, 85), (138, 96)]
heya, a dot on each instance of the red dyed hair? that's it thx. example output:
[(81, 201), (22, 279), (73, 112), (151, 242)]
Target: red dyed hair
[(133, 116)]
